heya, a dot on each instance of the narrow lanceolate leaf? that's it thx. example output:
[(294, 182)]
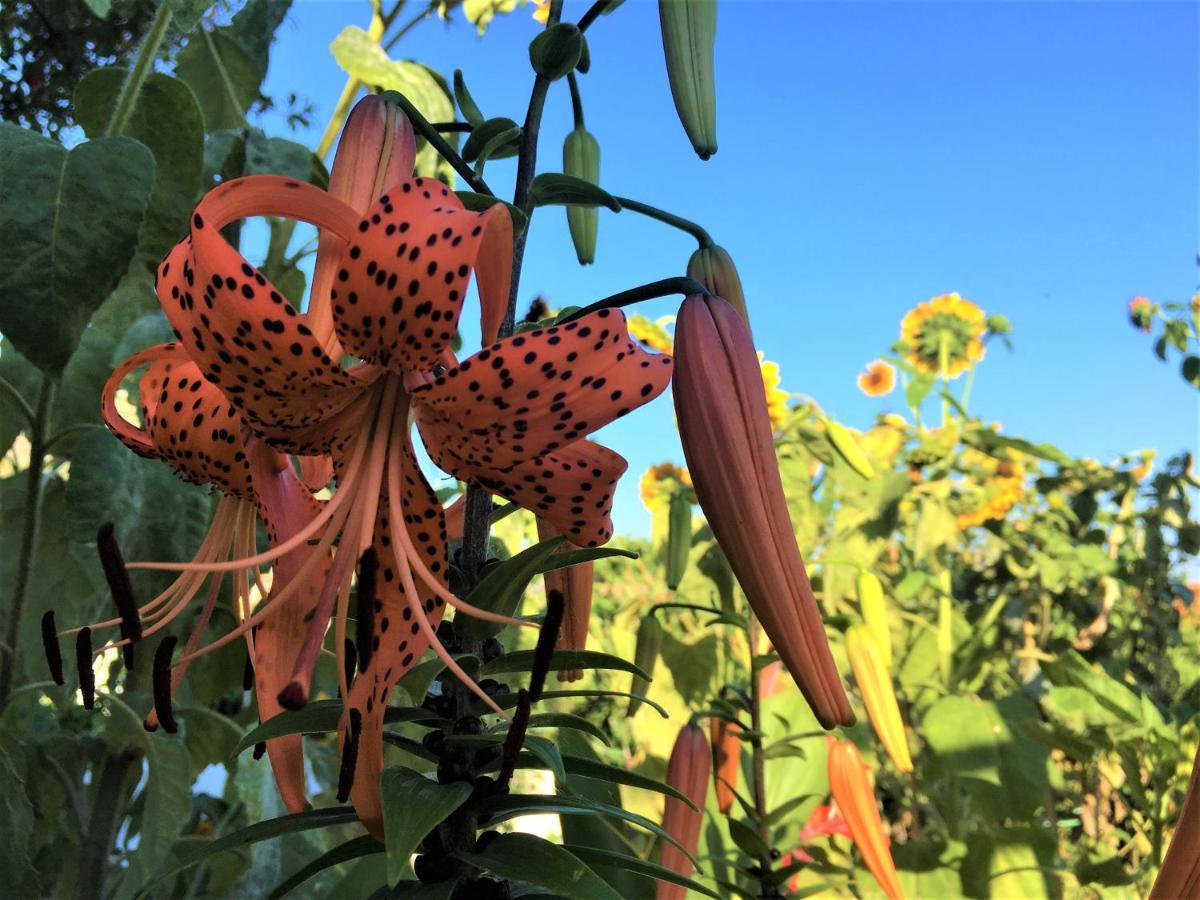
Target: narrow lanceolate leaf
[(1180, 872), (520, 661), (501, 589), (412, 806), (689, 29), (555, 188), (364, 845), (69, 240), (727, 439), (624, 861), (536, 861)]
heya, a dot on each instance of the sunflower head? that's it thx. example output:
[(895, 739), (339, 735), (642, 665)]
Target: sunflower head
[(777, 398), (1001, 485), (659, 482), (878, 380), (653, 334), (943, 335)]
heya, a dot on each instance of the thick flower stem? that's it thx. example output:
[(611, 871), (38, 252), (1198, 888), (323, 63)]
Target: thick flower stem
[(108, 806), (758, 756), (29, 534), (128, 97), (652, 212)]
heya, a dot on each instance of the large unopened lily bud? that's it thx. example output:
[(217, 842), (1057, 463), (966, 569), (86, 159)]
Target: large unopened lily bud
[(874, 612), (575, 584), (689, 28), (645, 655), (875, 683), (713, 267), (727, 760), (377, 150), (853, 794), (687, 771), (679, 538), (727, 439), (581, 159), (1180, 873)]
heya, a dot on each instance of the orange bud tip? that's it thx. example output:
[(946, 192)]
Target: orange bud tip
[(293, 696), (50, 644), (162, 683), (368, 567), (83, 659)]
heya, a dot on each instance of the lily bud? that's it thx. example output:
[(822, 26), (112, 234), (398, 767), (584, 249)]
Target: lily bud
[(866, 661), (873, 605), (847, 447), (645, 655), (713, 267), (856, 799), (575, 584), (581, 159), (689, 28), (687, 771), (1180, 872), (377, 150), (727, 760), (727, 440), (679, 538)]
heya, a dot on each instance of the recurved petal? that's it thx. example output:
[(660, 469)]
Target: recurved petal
[(1179, 876), (400, 288), (727, 440), (246, 338), (536, 392)]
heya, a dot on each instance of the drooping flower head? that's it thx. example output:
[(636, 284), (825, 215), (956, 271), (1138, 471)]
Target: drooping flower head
[(879, 379), (1141, 313), (944, 335)]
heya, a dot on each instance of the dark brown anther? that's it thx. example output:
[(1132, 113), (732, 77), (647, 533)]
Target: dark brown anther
[(259, 749), (162, 683), (368, 567), (293, 696), (83, 659), (248, 673), (117, 577), (350, 657), (515, 738), (538, 310), (547, 638), (50, 644), (349, 757)]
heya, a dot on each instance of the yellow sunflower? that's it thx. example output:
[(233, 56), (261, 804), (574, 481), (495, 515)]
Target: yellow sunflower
[(1003, 485), (777, 398), (944, 335), (541, 11), (878, 380), (658, 483), (653, 334)]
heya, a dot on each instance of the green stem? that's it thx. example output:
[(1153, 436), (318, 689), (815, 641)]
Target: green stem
[(664, 288), (758, 757), (29, 534), (21, 402), (340, 111), (410, 25), (576, 102), (108, 805), (70, 431), (966, 394), (428, 131), (943, 376), (696, 231), (226, 81), (593, 13), (128, 97)]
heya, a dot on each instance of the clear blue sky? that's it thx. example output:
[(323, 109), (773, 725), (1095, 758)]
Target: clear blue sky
[(1038, 158)]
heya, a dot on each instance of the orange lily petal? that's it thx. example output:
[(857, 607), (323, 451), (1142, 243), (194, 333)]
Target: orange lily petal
[(575, 584), (727, 760)]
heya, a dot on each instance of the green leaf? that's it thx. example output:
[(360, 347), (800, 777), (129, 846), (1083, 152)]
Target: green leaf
[(224, 77), (364, 845), (507, 701), (918, 389), (534, 860), (960, 731), (500, 134), (210, 737), (167, 119), (466, 103), (1190, 369), (479, 202), (185, 14), (65, 246), (595, 857), (567, 720), (501, 590), (749, 841), (16, 829), (594, 768), (361, 56), (413, 805), (521, 660), (319, 717), (554, 188)]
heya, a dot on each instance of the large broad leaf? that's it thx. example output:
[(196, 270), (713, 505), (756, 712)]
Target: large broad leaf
[(223, 75), (185, 14), (413, 805), (961, 731), (69, 240), (361, 56), (167, 119), (16, 827), (534, 860)]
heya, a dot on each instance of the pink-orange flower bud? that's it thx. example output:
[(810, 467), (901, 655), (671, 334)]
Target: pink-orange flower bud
[(713, 267), (727, 761), (726, 434), (1179, 876), (855, 798), (687, 771), (575, 584)]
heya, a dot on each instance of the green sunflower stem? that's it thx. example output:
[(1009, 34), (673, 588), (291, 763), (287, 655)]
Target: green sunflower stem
[(943, 373), (142, 66)]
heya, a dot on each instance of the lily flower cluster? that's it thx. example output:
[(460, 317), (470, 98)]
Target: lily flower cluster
[(274, 409)]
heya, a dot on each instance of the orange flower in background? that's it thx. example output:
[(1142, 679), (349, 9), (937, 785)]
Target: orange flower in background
[(945, 333), (728, 443), (1002, 487), (852, 792), (823, 821), (575, 584), (879, 379), (1141, 313), (1179, 876), (653, 334), (727, 760), (687, 771)]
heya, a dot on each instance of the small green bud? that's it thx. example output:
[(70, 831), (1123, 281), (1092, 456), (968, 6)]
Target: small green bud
[(713, 267), (679, 538), (581, 159), (645, 655), (556, 51), (689, 29)]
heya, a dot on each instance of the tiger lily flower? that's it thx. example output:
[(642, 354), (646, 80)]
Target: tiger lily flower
[(726, 434), (855, 798), (875, 684), (1179, 876), (575, 584), (727, 760), (511, 418), (687, 771)]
